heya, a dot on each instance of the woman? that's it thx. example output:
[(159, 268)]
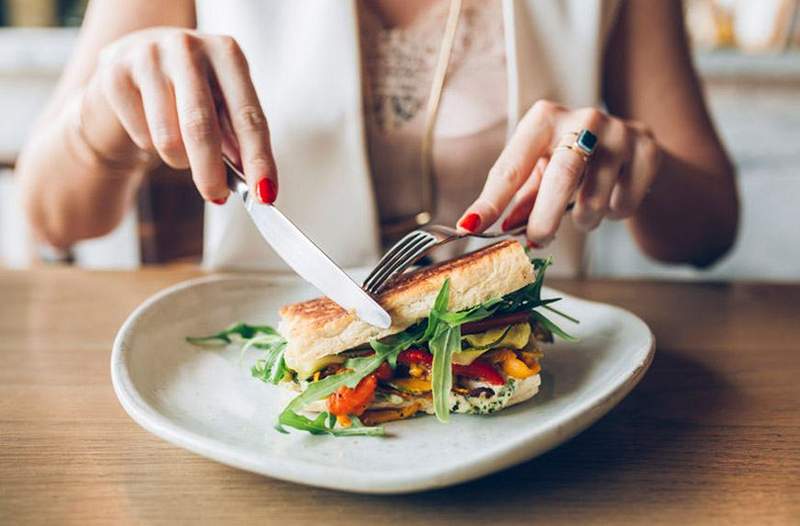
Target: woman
[(349, 90)]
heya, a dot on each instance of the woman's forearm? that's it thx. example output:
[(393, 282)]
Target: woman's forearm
[(70, 191), (690, 214)]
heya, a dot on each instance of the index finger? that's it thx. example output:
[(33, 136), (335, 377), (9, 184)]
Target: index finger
[(246, 117), (530, 141)]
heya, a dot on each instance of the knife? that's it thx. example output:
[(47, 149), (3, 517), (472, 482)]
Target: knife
[(304, 257)]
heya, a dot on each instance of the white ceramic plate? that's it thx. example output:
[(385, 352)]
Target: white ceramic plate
[(207, 402)]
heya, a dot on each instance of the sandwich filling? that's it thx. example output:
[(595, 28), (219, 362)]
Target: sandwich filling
[(496, 366), (475, 360)]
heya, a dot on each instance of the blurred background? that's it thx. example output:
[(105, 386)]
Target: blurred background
[(747, 53)]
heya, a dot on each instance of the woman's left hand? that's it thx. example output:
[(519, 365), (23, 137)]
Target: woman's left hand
[(539, 180)]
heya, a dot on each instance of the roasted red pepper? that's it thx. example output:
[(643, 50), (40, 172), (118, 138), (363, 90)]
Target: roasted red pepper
[(479, 369), (346, 401), (384, 372), (415, 355)]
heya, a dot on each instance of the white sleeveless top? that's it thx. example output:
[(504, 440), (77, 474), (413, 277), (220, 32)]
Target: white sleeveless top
[(305, 60)]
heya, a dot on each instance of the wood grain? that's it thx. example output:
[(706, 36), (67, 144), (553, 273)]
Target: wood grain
[(711, 435)]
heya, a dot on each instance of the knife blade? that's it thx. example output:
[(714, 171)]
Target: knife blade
[(306, 258)]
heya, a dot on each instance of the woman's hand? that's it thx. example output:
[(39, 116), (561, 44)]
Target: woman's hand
[(185, 98), (543, 181)]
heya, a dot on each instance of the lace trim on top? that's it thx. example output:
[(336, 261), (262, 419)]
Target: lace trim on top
[(399, 62)]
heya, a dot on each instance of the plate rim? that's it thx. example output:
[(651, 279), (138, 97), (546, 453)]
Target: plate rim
[(526, 447)]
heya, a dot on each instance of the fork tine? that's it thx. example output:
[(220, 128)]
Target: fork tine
[(401, 266), (405, 259), (385, 269), (400, 245), (393, 253), (388, 263)]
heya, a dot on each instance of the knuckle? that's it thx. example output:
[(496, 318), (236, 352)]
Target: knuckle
[(489, 207), (642, 128), (586, 216), (108, 53), (140, 136), (544, 109), (182, 41), (146, 57), (596, 205), (251, 118), (650, 151), (624, 203), (544, 106), (230, 47), (149, 52), (209, 187), (589, 224), (569, 170), (258, 162), (166, 140), (116, 76), (198, 124), (227, 42), (625, 139), (507, 174), (616, 129), (623, 207), (537, 231), (582, 219), (592, 116)]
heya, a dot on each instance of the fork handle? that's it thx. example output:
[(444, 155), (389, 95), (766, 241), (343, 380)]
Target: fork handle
[(518, 231)]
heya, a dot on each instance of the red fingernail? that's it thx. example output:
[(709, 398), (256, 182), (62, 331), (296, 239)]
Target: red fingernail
[(471, 222), (507, 224), (266, 191), (533, 244), (220, 201)]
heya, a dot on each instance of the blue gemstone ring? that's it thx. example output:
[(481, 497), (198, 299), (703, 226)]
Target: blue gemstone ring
[(584, 143)]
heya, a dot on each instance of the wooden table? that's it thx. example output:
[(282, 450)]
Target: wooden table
[(711, 435)]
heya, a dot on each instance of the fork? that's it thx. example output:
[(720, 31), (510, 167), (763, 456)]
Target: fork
[(414, 246)]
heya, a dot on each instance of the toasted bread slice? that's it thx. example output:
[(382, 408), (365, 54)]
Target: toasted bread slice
[(318, 328)]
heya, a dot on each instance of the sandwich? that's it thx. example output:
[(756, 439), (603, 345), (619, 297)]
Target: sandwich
[(466, 337)]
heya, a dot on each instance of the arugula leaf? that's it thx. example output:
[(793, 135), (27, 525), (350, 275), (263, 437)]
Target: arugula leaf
[(445, 338), (474, 314), (324, 424), (439, 309), (446, 341), (540, 267), (358, 369), (242, 330), (272, 368), (563, 315), (552, 327)]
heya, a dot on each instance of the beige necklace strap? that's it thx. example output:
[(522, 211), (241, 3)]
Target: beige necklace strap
[(431, 112)]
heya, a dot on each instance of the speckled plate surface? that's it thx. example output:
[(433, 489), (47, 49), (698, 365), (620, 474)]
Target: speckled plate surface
[(207, 402)]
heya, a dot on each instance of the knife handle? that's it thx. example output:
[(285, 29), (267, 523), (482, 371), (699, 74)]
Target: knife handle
[(235, 178)]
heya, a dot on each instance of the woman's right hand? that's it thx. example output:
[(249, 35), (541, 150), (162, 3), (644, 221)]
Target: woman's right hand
[(186, 98)]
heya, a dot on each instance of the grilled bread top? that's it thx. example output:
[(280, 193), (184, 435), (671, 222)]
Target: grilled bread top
[(319, 327)]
